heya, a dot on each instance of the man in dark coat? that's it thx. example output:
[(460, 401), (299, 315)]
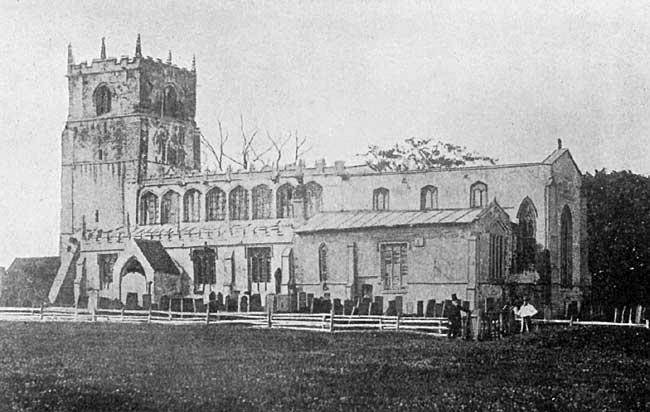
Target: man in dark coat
[(453, 316)]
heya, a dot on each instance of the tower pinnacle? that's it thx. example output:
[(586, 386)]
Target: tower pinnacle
[(70, 57), (169, 58), (194, 63), (102, 54), (138, 47)]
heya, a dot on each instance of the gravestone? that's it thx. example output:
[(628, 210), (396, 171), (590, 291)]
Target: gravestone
[(293, 302), (103, 303), (420, 308), (437, 313), (348, 307), (188, 305), (131, 301), (256, 303), (176, 304), (399, 305), (338, 307), (282, 303), (83, 302), (431, 308), (199, 306), (271, 302), (164, 302), (310, 302), (146, 301), (302, 302), (243, 304), (391, 311)]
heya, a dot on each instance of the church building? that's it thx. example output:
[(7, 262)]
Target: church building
[(142, 222)]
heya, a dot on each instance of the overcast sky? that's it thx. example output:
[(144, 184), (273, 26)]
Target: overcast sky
[(503, 78)]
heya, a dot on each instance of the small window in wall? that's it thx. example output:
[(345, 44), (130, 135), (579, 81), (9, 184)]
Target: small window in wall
[(204, 263), (261, 202), (478, 195), (380, 199), (284, 198), (238, 202), (429, 198), (393, 264), (566, 248), (106, 262), (313, 198), (148, 209), (497, 258), (259, 265), (102, 100), (215, 204), (96, 216), (322, 263), (191, 206)]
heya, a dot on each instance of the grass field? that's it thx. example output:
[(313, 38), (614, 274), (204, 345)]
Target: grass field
[(116, 367)]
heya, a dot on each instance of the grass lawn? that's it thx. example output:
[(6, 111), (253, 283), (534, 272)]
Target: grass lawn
[(113, 367)]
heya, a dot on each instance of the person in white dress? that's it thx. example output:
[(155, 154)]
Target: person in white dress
[(526, 312)]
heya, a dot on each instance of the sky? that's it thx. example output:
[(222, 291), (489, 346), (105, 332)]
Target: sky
[(504, 78)]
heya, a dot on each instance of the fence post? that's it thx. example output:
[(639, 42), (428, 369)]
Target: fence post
[(647, 323), (269, 310), (207, 314), (94, 316), (381, 323), (76, 312), (170, 309), (332, 318), (615, 314), (122, 316), (42, 310), (571, 321), (149, 317), (397, 326)]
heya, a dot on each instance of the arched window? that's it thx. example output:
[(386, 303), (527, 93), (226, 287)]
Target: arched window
[(526, 241), (313, 199), (284, 198), (322, 263), (102, 100), (261, 202), (191, 206), (169, 208), (566, 247), (428, 198), (148, 209), (215, 204), (170, 101), (478, 195), (380, 199), (238, 202)]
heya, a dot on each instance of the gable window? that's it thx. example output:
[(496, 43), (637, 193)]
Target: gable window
[(169, 206), (313, 199), (170, 101), (102, 100), (238, 202), (566, 247), (204, 263), (428, 198), (393, 265), (106, 262), (284, 197), (191, 206), (478, 195), (496, 267), (380, 199), (322, 263), (526, 240), (261, 202), (215, 204), (259, 265), (148, 209)]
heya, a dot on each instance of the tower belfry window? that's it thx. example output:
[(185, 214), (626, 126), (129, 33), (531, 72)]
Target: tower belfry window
[(170, 101), (102, 100)]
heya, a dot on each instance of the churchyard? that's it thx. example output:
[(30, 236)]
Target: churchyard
[(65, 366)]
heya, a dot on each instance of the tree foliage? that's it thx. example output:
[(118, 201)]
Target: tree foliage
[(618, 225), (422, 154)]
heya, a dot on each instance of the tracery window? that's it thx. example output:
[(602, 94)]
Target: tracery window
[(102, 100), (284, 197), (148, 209), (169, 208), (238, 203), (380, 198), (106, 261), (496, 266), (259, 264), (566, 247), (191, 206), (428, 198), (261, 202), (204, 263), (313, 199), (478, 195), (526, 247), (215, 204)]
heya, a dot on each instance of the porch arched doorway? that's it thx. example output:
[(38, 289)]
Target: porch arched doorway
[(133, 283)]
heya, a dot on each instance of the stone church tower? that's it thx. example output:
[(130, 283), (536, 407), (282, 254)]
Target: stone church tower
[(128, 119)]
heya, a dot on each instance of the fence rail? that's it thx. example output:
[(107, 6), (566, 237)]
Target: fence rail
[(322, 322)]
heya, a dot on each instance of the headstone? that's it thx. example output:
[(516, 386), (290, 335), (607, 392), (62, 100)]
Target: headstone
[(219, 299), (282, 303), (188, 305), (399, 305), (176, 304), (391, 311), (420, 308), (302, 301), (270, 302), (437, 312), (146, 301), (243, 304), (83, 302), (131, 300), (256, 303), (164, 302), (103, 303), (338, 307), (293, 302), (377, 308), (199, 306), (310, 302), (348, 307), (431, 308)]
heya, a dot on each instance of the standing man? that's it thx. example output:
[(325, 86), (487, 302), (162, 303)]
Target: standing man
[(526, 312), (453, 316)]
